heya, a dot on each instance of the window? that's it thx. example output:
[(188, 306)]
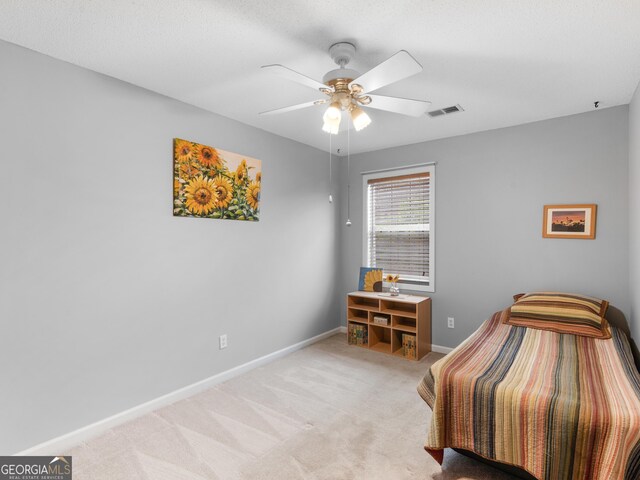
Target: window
[(398, 223)]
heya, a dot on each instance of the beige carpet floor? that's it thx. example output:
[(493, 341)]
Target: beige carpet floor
[(329, 411)]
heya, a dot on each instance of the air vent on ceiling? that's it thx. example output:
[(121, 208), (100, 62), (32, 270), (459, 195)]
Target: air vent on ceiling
[(445, 111)]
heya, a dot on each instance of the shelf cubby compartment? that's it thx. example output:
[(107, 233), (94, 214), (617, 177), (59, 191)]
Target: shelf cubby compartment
[(363, 303), (352, 334), (406, 324), (377, 314), (356, 315), (380, 338), (397, 345), (398, 308)]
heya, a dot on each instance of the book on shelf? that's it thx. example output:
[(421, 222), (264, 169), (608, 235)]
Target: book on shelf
[(364, 338), (358, 334), (409, 345)]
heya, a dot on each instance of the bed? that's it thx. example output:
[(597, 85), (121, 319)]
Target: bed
[(550, 404)]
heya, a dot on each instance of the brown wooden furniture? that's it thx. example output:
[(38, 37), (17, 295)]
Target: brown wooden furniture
[(407, 314)]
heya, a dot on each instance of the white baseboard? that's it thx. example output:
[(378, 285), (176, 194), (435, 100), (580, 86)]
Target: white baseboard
[(343, 329), (59, 445), (441, 349)]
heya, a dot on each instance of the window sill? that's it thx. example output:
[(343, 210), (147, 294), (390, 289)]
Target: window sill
[(412, 287)]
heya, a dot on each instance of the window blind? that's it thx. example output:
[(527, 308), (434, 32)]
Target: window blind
[(398, 225)]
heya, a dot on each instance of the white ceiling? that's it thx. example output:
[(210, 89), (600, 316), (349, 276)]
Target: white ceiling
[(506, 62)]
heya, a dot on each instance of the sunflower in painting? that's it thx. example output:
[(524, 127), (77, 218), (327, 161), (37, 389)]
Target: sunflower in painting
[(176, 186), (241, 172), (253, 195), (223, 191), (188, 169), (200, 195), (207, 156), (183, 150), (373, 281)]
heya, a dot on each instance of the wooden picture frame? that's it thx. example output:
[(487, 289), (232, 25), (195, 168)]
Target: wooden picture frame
[(569, 221)]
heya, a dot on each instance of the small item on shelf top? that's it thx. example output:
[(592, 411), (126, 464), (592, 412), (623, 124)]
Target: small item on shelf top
[(390, 278), (394, 291)]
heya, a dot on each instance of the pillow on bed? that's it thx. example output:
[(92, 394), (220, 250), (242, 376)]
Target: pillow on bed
[(560, 312)]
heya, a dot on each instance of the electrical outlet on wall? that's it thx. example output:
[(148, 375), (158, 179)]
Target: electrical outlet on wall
[(223, 341), (450, 322)]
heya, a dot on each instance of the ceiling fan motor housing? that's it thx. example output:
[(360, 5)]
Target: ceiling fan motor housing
[(339, 76), (341, 53)]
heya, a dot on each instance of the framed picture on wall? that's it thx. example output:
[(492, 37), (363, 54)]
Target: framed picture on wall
[(569, 221), (213, 183)]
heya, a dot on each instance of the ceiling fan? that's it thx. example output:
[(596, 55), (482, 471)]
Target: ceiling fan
[(347, 90)]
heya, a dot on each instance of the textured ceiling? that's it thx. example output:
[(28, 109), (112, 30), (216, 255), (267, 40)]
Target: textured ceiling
[(506, 62)]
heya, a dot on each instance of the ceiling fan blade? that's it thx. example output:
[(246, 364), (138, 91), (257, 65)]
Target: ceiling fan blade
[(294, 76), (404, 106), (399, 66), (294, 107)]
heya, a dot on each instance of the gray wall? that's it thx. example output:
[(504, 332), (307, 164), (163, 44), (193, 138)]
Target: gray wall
[(106, 299), (634, 212), (490, 192)]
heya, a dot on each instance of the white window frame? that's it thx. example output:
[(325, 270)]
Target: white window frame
[(417, 284)]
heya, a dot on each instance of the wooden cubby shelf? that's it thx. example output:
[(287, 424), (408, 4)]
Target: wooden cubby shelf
[(405, 324), (363, 303), (355, 315), (395, 307), (408, 318)]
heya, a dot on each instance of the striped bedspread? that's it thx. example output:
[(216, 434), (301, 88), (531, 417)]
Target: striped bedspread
[(559, 406)]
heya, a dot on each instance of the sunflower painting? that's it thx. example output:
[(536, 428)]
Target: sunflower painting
[(213, 183), (370, 279)]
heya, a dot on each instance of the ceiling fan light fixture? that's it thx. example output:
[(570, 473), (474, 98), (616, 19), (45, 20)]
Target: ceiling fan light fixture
[(333, 113), (330, 128), (332, 117), (360, 118), (331, 125)]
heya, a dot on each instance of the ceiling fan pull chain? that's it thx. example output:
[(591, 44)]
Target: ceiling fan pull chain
[(348, 224), (330, 183)]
